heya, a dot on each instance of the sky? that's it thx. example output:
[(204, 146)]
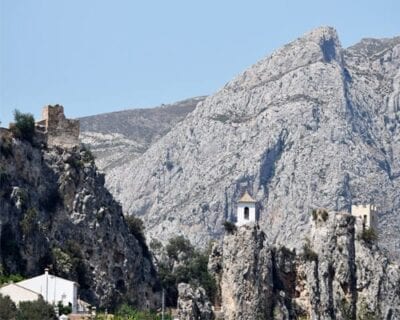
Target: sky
[(97, 56)]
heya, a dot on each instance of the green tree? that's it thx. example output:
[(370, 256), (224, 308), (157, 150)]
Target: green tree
[(185, 264), (24, 126), (36, 310), (229, 227), (8, 310), (177, 245), (136, 227)]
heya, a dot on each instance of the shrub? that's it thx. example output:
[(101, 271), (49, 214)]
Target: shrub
[(365, 313), (64, 309), (229, 227), (169, 165), (308, 253), (24, 126), (324, 214), (62, 261), (36, 310), (126, 312), (8, 310), (369, 235), (87, 155), (73, 250), (10, 278), (156, 246), (177, 245), (136, 227)]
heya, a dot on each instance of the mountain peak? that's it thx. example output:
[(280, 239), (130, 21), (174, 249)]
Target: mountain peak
[(328, 40)]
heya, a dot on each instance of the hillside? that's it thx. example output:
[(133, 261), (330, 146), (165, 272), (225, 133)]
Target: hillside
[(55, 211), (311, 125), (117, 137)]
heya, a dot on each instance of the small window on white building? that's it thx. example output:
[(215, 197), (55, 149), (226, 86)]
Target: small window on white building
[(246, 213)]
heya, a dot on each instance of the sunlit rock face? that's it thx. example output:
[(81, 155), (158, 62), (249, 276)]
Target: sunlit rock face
[(311, 125), (338, 274)]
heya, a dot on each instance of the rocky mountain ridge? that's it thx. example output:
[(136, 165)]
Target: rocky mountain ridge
[(55, 211), (311, 125), (118, 137)]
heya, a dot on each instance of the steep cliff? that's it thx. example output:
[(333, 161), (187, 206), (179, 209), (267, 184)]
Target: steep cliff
[(55, 210), (311, 125), (337, 275)]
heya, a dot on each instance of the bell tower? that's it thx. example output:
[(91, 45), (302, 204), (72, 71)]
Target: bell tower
[(246, 210)]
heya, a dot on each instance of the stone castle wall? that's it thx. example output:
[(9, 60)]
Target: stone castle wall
[(58, 130)]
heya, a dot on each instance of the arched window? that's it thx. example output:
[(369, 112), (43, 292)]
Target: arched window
[(246, 213)]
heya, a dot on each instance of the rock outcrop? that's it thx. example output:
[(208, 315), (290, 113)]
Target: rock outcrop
[(193, 303), (338, 274), (55, 210), (311, 125)]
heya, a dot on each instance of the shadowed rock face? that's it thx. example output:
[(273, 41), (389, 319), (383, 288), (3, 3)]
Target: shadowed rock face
[(311, 125), (337, 275), (55, 210)]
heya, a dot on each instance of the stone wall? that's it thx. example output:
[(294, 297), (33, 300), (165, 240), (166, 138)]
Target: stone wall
[(59, 130)]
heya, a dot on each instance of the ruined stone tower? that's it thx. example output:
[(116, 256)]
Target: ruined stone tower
[(56, 129)]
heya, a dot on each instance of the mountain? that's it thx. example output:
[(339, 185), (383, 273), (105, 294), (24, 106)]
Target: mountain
[(55, 211), (116, 138), (311, 125)]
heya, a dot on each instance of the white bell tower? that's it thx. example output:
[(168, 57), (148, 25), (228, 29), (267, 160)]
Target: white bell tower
[(246, 210)]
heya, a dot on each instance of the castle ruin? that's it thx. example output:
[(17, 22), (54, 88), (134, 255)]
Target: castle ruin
[(56, 129), (365, 215)]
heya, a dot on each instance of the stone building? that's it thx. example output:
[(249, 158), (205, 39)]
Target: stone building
[(365, 215), (246, 210), (56, 129), (51, 288)]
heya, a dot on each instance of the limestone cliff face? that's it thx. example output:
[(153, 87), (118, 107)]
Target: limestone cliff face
[(252, 278), (311, 125), (337, 275), (55, 210), (193, 303)]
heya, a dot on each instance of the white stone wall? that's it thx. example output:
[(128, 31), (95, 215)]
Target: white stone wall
[(241, 213), (53, 289), (18, 294), (365, 213)]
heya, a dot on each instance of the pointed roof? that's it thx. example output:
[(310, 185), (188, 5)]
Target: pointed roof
[(247, 198)]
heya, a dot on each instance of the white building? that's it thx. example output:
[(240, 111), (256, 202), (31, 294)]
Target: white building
[(18, 294), (246, 210), (53, 289), (365, 215)]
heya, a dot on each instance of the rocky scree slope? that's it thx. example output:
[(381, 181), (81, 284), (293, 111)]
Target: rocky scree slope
[(337, 275), (55, 210), (118, 137), (311, 125)]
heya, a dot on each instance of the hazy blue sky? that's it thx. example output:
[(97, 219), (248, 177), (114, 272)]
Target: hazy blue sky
[(99, 56)]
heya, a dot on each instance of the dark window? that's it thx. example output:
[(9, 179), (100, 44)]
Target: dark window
[(246, 213)]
